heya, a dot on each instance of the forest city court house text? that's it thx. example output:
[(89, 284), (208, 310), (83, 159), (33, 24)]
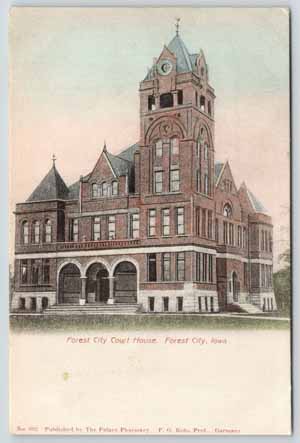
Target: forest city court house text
[(159, 227)]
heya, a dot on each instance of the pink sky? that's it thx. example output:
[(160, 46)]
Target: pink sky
[(74, 82)]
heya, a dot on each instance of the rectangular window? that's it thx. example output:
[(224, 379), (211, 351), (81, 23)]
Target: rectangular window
[(204, 267), (24, 271), (198, 184), (231, 234), (166, 266), (151, 304), (180, 96), (152, 275), (239, 236), (244, 237), (111, 227), (198, 149), (225, 233), (198, 266), (206, 184), (175, 146), (152, 222), (209, 224), (197, 221), (210, 268), (158, 182), (179, 304), (96, 229), (179, 221), (166, 304), (74, 229), (175, 180), (34, 272), (151, 103), (46, 271), (135, 226), (203, 222), (217, 230), (166, 222), (180, 266), (158, 149)]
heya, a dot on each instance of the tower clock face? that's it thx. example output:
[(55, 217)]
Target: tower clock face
[(164, 67)]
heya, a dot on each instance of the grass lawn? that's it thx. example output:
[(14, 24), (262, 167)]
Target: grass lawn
[(139, 322)]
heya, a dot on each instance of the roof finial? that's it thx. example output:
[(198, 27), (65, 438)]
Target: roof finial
[(177, 26), (54, 159), (104, 146)]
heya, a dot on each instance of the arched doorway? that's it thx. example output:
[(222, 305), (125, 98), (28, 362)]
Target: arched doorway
[(235, 287), (69, 284), (125, 283), (97, 283)]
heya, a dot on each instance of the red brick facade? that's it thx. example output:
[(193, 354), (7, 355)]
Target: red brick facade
[(189, 240)]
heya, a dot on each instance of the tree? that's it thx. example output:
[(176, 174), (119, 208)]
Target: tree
[(282, 283)]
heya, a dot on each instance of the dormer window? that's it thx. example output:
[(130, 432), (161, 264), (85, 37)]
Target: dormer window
[(25, 233), (36, 232), (114, 188), (104, 187), (95, 190), (48, 231), (166, 100)]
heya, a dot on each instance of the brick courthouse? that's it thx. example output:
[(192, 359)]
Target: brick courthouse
[(159, 227)]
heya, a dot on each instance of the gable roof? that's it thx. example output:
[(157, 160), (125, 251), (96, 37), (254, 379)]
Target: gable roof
[(119, 165), (52, 187), (257, 205)]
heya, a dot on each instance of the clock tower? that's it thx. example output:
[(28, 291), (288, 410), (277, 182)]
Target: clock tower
[(177, 124)]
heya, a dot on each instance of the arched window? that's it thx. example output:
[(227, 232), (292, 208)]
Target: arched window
[(209, 107), (158, 148), (114, 188), (36, 232), (166, 100), (205, 151), (175, 146), (104, 189), (227, 210), (95, 190), (202, 103), (48, 231), (198, 148), (25, 232)]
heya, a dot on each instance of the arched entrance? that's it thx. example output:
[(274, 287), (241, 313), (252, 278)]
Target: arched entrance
[(235, 287), (125, 283), (97, 283), (69, 284)]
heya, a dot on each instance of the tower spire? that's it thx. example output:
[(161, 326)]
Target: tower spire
[(177, 26)]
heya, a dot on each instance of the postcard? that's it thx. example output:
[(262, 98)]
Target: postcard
[(150, 284)]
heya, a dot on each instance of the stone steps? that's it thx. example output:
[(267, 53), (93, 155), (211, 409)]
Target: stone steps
[(92, 309), (247, 307)]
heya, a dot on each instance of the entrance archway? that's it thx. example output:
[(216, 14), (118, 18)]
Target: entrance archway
[(69, 284), (97, 283), (125, 283), (235, 287)]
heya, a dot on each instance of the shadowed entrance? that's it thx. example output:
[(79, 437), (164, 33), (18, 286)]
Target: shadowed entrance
[(97, 283), (125, 283), (69, 284)]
